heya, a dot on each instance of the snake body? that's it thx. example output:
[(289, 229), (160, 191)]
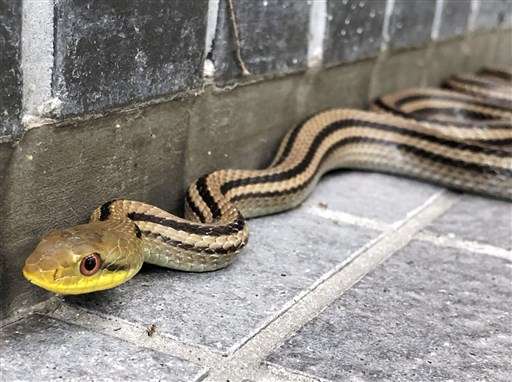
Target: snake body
[(457, 137)]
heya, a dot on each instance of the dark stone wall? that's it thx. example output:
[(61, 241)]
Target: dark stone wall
[(494, 13), (353, 30), (454, 18), (273, 38), (411, 23), (115, 52), (10, 73)]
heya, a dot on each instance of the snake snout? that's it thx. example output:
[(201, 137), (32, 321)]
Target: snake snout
[(49, 262), (38, 276), (44, 266), (85, 258)]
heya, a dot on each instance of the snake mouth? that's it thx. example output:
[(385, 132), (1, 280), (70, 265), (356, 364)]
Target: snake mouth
[(49, 280), (45, 280)]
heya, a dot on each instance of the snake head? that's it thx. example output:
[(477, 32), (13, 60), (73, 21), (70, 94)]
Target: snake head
[(85, 258)]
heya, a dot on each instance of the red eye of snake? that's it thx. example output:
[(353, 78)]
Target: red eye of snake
[(90, 264)]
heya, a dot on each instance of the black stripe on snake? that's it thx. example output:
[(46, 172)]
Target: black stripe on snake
[(457, 137)]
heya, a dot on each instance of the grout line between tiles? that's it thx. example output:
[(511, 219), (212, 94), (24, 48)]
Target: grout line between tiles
[(211, 27), (245, 359), (390, 5), (475, 8), (37, 55), (436, 23), (470, 246), (343, 217), (305, 292), (447, 241), (272, 372), (245, 362), (136, 334), (316, 35)]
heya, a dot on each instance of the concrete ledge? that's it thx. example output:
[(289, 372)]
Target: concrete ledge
[(57, 174), (503, 53)]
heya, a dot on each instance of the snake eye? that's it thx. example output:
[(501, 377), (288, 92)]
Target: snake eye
[(90, 264)]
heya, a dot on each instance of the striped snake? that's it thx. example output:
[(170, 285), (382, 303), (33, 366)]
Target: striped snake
[(456, 137)]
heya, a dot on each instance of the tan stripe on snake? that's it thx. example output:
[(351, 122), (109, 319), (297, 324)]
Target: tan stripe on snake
[(456, 139)]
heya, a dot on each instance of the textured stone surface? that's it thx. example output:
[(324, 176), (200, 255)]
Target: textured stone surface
[(503, 55), (113, 52), (478, 219), (273, 38), (10, 61), (6, 150), (491, 47), (371, 195), (446, 55), (220, 309), (454, 18), (339, 86), (389, 75), (494, 13), (43, 349), (410, 23), (219, 137), (426, 314), (353, 30)]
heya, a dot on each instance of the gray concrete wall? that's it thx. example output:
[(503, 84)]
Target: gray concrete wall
[(136, 99)]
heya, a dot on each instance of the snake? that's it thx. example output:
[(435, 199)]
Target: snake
[(457, 136)]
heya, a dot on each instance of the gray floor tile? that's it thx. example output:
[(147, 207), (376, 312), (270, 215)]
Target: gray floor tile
[(478, 219), (43, 349), (371, 195), (427, 314), (286, 254)]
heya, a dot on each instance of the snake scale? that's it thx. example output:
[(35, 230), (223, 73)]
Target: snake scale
[(458, 136)]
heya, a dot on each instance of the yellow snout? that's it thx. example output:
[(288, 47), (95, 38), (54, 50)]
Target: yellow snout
[(84, 259)]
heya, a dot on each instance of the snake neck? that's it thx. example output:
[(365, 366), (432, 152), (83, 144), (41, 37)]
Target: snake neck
[(416, 137), (457, 138)]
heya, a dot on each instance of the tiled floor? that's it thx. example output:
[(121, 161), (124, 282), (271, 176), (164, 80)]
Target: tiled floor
[(44, 349), (426, 314), (219, 309), (292, 307)]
